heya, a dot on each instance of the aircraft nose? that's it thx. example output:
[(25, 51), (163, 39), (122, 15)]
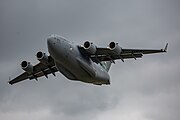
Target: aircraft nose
[(50, 43), (49, 40)]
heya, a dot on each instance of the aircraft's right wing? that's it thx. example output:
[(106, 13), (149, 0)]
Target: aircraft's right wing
[(40, 69)]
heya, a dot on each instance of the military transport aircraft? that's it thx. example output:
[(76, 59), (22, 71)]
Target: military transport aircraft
[(87, 63)]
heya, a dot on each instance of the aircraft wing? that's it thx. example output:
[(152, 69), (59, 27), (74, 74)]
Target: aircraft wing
[(105, 54), (39, 70)]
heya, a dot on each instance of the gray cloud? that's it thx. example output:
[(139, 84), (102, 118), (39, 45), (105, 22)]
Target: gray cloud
[(143, 89)]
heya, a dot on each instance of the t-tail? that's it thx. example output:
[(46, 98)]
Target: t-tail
[(106, 65)]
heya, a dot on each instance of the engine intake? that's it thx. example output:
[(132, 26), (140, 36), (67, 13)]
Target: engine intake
[(42, 57), (90, 47), (115, 47), (27, 66)]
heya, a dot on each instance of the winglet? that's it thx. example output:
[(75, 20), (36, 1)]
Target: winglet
[(9, 81), (165, 49)]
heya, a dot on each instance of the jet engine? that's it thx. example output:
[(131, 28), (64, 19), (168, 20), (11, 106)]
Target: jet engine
[(42, 57), (90, 47), (115, 47), (27, 66)]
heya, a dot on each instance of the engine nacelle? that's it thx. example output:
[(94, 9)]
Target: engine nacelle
[(42, 57), (90, 47), (115, 47), (27, 66)]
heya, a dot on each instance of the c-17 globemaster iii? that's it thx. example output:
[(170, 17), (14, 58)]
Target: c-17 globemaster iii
[(87, 63)]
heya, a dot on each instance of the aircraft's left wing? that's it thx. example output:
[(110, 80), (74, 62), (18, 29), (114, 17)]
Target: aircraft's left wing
[(40, 69), (114, 52)]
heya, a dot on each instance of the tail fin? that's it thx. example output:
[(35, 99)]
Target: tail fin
[(106, 65)]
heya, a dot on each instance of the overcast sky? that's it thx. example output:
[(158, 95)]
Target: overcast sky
[(145, 89)]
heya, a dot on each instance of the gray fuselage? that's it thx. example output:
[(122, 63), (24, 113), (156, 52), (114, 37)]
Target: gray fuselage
[(75, 65)]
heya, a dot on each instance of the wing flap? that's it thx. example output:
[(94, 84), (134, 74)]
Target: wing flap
[(115, 57), (43, 73), (143, 51)]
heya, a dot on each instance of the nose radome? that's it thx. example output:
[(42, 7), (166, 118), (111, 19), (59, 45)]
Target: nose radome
[(50, 44), (49, 40)]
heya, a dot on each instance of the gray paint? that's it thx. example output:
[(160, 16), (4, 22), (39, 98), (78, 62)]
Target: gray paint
[(74, 65), (141, 89), (86, 63)]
